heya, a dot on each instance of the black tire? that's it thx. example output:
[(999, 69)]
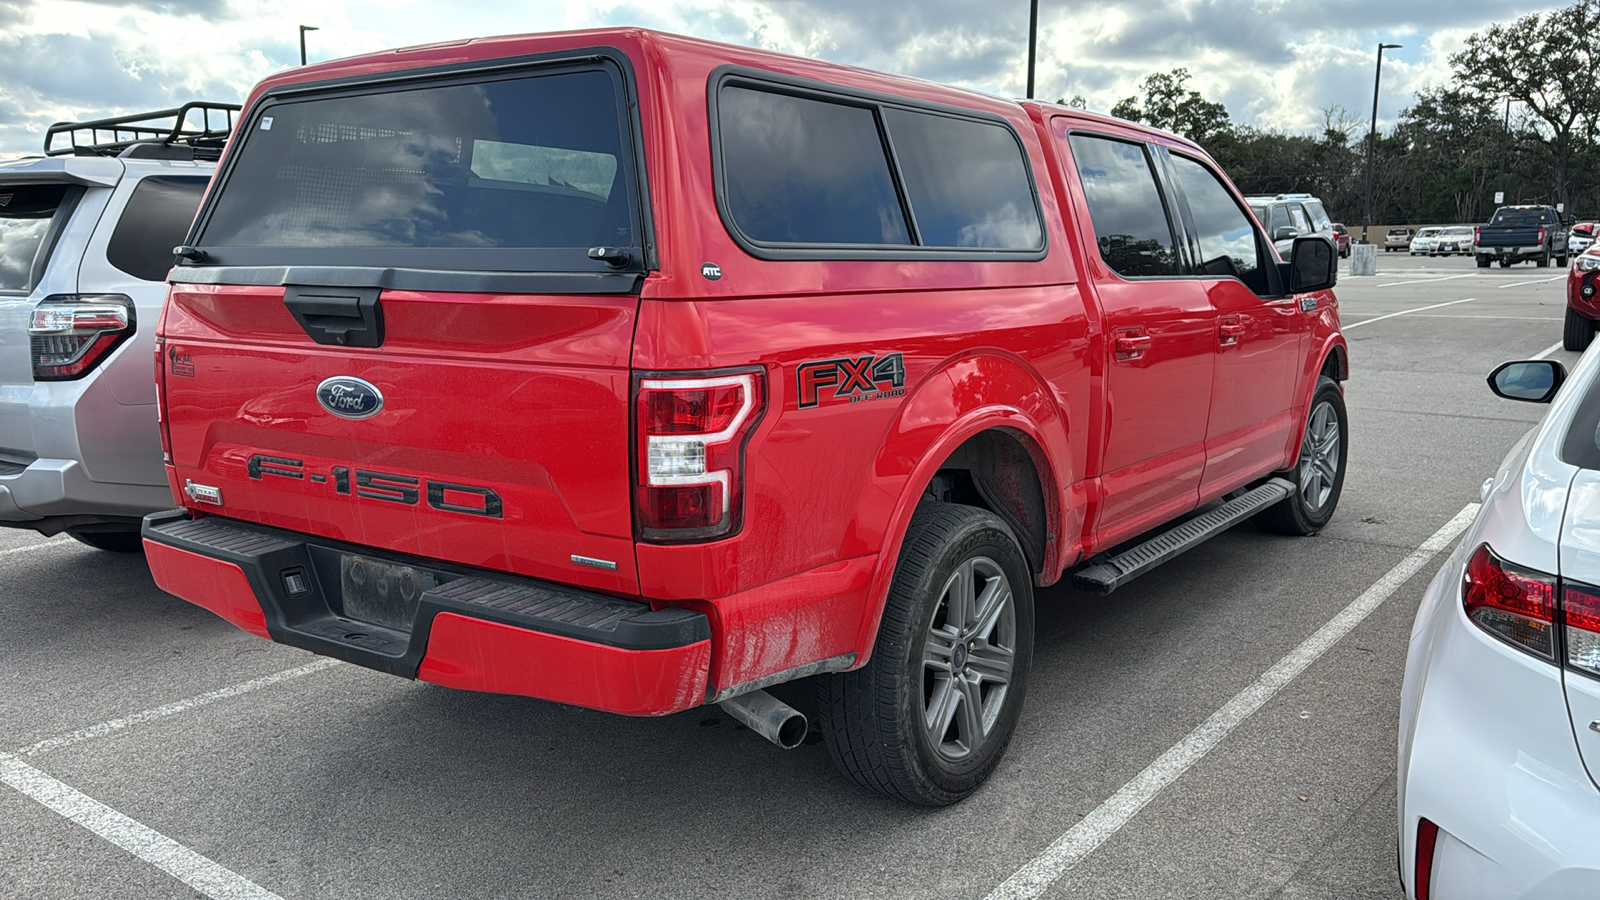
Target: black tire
[(1299, 513), (115, 541), (1542, 260), (1483, 262), (1562, 260), (874, 720), (1578, 332)]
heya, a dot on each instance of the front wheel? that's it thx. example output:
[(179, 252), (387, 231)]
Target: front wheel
[(1318, 475), (1562, 260), (1578, 332), (1543, 260), (927, 719)]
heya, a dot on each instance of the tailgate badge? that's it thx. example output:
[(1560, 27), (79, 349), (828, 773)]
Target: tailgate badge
[(202, 493), (350, 398)]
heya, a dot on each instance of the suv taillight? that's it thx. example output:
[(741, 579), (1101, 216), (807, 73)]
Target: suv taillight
[(70, 334), (1514, 604), (1522, 608), (690, 436)]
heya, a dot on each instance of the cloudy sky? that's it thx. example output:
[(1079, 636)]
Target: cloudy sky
[(1274, 63)]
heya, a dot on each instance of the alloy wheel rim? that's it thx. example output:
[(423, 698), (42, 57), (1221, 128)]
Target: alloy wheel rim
[(1319, 456), (968, 658)]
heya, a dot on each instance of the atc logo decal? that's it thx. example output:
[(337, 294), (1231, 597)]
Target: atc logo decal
[(866, 378)]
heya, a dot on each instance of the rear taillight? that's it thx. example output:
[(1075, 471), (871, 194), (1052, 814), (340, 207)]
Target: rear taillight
[(1427, 841), (1580, 607), (690, 433), (1541, 237), (70, 334), (161, 401), (1514, 604)]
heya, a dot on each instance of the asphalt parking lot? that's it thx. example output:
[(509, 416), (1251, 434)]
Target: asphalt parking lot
[(1223, 727)]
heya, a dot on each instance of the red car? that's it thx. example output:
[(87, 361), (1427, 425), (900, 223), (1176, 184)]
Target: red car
[(1583, 306), (639, 373), (1342, 236)]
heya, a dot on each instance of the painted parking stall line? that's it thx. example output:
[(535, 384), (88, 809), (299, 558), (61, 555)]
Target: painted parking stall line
[(1093, 830), (197, 871), (1534, 281), (1406, 312), (1426, 280), (1547, 351), (41, 545), (174, 708)]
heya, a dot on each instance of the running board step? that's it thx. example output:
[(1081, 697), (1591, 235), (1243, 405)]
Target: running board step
[(1108, 574)]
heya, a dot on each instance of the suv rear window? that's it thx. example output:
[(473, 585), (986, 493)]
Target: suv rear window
[(519, 174), (156, 219), (26, 213)]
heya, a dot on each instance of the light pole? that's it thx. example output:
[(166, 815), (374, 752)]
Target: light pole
[(303, 30), (1372, 137), (1505, 141), (1033, 41)]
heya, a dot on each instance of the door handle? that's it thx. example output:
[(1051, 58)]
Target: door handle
[(1130, 344), (1228, 329)]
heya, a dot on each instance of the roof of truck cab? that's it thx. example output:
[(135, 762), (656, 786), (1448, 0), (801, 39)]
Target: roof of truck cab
[(640, 44)]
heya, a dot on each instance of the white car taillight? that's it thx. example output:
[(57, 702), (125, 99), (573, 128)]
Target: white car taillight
[(69, 334), (691, 432), (1514, 604), (1580, 608)]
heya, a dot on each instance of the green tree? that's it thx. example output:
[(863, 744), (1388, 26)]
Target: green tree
[(1551, 65), (1168, 103)]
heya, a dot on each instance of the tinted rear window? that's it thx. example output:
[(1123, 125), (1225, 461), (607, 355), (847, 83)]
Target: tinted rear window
[(520, 174), (966, 181), (1319, 216), (1130, 219), (806, 171), (26, 212), (1522, 217), (156, 219)]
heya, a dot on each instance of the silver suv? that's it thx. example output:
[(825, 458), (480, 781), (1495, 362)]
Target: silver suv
[(87, 233), (1288, 216)]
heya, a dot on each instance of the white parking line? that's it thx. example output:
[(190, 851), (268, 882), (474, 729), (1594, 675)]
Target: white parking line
[(172, 709), (1426, 280), (1405, 312), (1109, 817), (166, 854), (1547, 351), (1534, 281), (57, 542)]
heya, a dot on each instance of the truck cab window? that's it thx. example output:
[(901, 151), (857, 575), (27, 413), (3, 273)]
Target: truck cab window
[(1228, 244), (1130, 221)]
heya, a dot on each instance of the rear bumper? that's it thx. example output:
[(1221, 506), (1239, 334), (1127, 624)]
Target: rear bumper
[(465, 629), (58, 492)]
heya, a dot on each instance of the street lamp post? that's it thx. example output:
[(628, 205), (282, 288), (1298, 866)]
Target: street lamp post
[(1033, 41), (1505, 141), (1372, 137), (303, 30)]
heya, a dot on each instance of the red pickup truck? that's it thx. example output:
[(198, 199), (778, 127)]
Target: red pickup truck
[(640, 373)]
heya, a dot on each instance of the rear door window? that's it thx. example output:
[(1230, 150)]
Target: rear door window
[(524, 173), (1302, 223), (26, 215), (1130, 220), (156, 219)]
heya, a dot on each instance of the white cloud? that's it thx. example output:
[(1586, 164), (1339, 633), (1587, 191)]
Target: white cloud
[(1275, 63)]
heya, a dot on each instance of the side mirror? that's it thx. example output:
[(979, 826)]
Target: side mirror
[(1285, 232), (1313, 265), (1532, 381)]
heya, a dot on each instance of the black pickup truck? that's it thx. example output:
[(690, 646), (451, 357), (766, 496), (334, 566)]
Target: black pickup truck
[(1518, 233)]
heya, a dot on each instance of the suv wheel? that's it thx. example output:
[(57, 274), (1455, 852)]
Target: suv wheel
[(1318, 475), (1578, 332), (115, 541), (929, 717)]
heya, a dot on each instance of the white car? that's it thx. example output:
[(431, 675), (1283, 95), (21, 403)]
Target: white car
[(1424, 241), (1500, 709), (1452, 240)]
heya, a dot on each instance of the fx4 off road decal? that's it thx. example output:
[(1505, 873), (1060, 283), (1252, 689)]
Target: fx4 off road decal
[(866, 378)]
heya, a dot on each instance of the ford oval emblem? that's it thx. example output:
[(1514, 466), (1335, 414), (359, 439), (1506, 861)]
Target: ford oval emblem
[(350, 398)]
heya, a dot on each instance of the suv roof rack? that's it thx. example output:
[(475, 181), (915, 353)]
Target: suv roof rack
[(164, 133)]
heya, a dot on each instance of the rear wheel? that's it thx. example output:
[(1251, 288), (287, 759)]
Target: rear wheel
[(1578, 332), (115, 541), (1483, 261), (929, 717), (1318, 475)]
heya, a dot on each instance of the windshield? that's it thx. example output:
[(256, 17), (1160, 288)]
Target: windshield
[(26, 212), (1428, 233), (1508, 216), (458, 176)]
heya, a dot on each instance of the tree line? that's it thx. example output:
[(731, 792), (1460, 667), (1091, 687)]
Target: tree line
[(1520, 113)]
